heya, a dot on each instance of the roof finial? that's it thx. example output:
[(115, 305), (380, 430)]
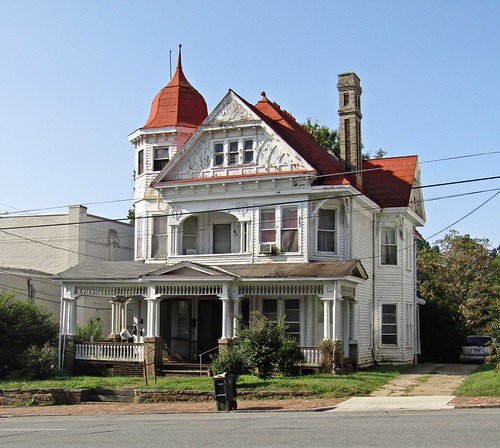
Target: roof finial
[(263, 94), (179, 63)]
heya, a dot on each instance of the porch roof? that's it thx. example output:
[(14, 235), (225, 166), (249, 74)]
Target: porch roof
[(139, 271), (314, 269)]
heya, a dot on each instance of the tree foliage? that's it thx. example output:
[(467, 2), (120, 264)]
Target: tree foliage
[(459, 277), (327, 138), (23, 325)]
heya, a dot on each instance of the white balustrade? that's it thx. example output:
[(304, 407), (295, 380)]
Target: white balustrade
[(312, 355), (112, 351)]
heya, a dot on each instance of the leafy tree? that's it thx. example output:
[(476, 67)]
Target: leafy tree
[(326, 137), (329, 140), (460, 279), (23, 324)]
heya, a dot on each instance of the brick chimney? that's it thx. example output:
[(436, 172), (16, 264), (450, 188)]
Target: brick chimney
[(349, 88)]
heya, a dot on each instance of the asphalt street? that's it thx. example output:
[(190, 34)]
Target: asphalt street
[(457, 429)]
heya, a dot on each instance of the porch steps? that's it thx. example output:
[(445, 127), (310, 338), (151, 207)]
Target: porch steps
[(176, 368), (112, 396)]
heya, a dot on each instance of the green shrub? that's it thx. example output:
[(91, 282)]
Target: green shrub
[(23, 323), (40, 362), (91, 331), (326, 351), (261, 343), (230, 360), (290, 356)]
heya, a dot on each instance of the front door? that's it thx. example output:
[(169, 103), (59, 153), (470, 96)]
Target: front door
[(209, 325), (175, 327)]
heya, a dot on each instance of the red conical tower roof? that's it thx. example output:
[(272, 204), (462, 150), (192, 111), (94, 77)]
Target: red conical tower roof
[(177, 104)]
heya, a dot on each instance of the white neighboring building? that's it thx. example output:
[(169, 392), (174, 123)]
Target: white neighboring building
[(34, 247), (241, 210)]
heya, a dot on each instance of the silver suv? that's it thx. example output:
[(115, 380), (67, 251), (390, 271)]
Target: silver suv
[(476, 348)]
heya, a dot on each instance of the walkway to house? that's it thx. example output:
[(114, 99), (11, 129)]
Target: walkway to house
[(424, 386)]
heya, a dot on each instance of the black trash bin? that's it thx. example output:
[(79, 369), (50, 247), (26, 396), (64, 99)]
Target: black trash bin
[(225, 392)]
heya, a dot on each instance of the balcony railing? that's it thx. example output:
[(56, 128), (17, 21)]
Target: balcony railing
[(109, 351)]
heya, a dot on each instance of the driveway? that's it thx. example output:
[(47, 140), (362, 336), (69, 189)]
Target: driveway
[(427, 380)]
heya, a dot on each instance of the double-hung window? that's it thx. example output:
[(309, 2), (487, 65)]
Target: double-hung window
[(218, 154), (268, 225), (233, 153), (326, 230), (161, 158), (190, 236), (289, 309), (389, 333), (388, 246), (248, 151), (159, 240), (140, 162), (289, 229)]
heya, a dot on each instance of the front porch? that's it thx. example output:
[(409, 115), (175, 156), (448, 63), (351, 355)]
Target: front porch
[(182, 313)]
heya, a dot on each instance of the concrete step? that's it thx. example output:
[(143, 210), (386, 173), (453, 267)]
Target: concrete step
[(112, 396)]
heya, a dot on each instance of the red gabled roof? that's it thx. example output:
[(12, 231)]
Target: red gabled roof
[(389, 180), (177, 104), (298, 137)]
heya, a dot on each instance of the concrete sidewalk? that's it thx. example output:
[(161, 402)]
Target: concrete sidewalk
[(422, 387)]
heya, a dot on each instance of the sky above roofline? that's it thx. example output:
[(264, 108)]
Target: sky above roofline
[(78, 77)]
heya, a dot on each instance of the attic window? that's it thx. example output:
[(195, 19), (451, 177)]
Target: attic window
[(218, 154), (248, 151), (233, 153), (160, 158)]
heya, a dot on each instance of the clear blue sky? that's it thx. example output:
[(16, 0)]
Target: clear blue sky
[(78, 76)]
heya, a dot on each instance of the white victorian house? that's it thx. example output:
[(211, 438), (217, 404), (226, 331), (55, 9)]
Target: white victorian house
[(241, 210)]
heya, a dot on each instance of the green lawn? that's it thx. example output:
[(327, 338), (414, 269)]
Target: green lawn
[(484, 382), (324, 385)]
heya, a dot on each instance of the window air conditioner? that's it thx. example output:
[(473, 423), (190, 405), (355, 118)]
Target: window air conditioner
[(267, 248)]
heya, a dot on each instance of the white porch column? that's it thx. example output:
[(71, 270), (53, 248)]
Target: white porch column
[(236, 317), (152, 314), (335, 314), (225, 317), (346, 327), (327, 320)]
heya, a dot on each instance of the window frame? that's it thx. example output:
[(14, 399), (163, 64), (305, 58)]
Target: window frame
[(320, 230), (233, 152), (159, 239), (195, 236), (160, 162), (385, 256), (279, 227), (140, 162), (285, 229), (394, 325)]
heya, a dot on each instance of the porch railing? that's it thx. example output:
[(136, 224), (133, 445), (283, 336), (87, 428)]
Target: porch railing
[(312, 355), (109, 351)]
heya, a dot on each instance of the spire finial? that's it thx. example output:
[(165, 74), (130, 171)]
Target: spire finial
[(179, 63), (263, 93)]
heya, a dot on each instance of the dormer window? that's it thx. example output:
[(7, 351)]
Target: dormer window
[(161, 158)]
